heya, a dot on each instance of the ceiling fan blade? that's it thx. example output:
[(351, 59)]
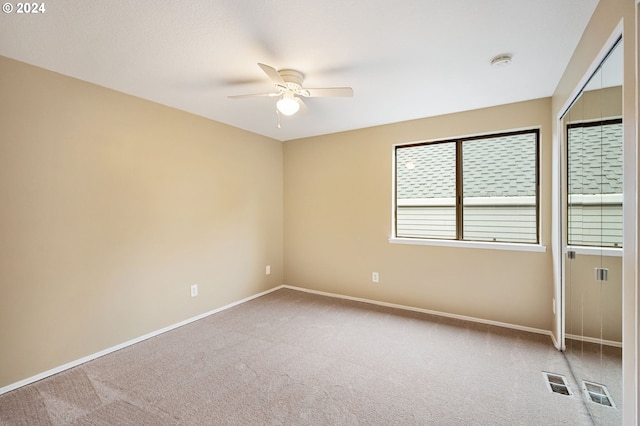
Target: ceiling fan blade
[(255, 95), (273, 74), (330, 91)]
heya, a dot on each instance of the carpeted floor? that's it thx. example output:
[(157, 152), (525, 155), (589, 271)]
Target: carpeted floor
[(296, 358), (599, 364)]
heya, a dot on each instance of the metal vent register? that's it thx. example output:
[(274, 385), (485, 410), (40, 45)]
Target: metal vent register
[(598, 394), (557, 384)]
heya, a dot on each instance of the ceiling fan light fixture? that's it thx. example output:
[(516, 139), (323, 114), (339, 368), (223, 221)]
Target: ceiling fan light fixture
[(288, 105), (290, 92)]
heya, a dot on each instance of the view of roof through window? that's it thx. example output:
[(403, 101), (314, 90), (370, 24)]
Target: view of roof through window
[(498, 189), (595, 183)]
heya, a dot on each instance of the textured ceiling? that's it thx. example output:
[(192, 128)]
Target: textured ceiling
[(405, 59)]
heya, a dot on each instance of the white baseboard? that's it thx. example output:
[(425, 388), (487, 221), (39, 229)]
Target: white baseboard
[(107, 351), (594, 340), (428, 311)]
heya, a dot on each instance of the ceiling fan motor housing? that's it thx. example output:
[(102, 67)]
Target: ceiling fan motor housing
[(293, 78), (289, 88)]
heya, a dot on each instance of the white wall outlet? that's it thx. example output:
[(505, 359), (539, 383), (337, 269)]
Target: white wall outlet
[(268, 270), (194, 290), (375, 277), (553, 305)]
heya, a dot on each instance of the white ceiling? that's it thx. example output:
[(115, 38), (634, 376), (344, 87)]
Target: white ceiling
[(405, 59)]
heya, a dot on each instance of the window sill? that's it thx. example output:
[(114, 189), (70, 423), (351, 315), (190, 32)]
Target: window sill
[(470, 244), (596, 251)]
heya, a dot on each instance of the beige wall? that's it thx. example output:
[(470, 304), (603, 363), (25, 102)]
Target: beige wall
[(596, 105), (111, 207), (338, 221), (593, 308)]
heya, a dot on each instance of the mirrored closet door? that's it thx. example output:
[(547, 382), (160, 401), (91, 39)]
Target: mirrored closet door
[(592, 198)]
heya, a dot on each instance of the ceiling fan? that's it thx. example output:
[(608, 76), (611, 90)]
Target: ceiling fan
[(290, 91)]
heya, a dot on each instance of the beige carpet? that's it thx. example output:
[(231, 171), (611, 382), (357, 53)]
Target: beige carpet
[(599, 364), (293, 358)]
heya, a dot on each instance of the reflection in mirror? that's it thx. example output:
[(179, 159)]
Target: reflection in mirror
[(593, 239)]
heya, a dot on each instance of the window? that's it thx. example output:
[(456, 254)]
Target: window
[(474, 189), (594, 156)]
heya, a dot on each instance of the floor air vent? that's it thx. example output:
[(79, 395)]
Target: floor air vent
[(598, 394), (557, 384)]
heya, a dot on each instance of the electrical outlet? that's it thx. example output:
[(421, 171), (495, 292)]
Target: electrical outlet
[(553, 305), (375, 277), (268, 270), (194, 290)]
